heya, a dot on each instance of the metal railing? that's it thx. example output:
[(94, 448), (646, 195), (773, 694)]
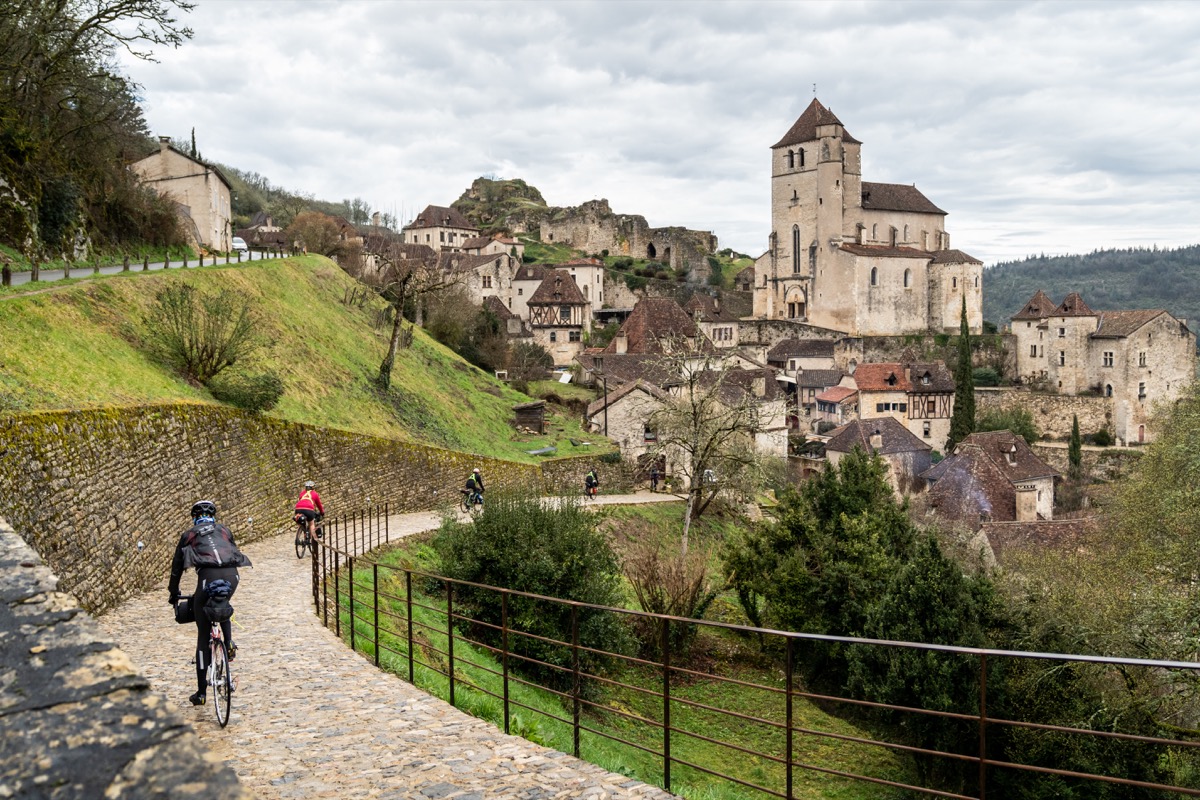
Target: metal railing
[(380, 599)]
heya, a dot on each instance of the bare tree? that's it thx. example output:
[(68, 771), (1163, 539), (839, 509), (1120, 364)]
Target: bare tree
[(406, 274), (707, 429), (316, 232)]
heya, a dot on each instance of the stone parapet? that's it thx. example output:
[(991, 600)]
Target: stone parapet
[(103, 495), (76, 719)]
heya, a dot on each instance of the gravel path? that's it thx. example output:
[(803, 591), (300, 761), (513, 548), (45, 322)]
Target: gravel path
[(311, 719)]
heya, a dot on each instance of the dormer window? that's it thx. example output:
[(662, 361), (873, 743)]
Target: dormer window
[(1012, 455), (891, 379), (925, 379)]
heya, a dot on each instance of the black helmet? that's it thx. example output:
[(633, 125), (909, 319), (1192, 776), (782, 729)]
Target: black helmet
[(204, 508)]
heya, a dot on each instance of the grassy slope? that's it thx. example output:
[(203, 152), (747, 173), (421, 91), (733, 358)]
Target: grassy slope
[(77, 346)]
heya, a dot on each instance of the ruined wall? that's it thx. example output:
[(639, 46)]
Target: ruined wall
[(85, 487), (1100, 463), (1052, 413), (593, 227)]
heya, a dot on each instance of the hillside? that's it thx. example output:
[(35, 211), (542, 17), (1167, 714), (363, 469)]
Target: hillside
[(1109, 280), (502, 206), (82, 345)]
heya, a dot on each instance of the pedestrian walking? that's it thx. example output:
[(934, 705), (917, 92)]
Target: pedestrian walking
[(654, 478)]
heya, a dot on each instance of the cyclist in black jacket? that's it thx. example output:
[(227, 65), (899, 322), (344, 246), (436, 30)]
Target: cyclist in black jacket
[(207, 546)]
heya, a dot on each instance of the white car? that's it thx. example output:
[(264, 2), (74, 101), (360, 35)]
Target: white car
[(239, 245)]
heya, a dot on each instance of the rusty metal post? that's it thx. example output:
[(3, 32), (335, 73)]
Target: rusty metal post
[(790, 661), (350, 582), (375, 591), (450, 636), (337, 592), (982, 726), (408, 601), (504, 651), (325, 581), (575, 688), (387, 534), (666, 680)]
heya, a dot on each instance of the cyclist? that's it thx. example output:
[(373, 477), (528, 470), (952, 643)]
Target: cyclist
[(309, 506), (208, 546), (591, 483), (474, 487)]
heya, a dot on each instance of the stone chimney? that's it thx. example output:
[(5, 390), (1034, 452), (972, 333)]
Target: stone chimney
[(622, 346), (1027, 503), (163, 143), (375, 218), (760, 385), (876, 441)]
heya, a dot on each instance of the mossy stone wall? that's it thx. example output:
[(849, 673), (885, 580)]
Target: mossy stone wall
[(86, 487)]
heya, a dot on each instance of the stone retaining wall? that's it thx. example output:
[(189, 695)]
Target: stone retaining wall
[(76, 719), (104, 494), (1052, 413)]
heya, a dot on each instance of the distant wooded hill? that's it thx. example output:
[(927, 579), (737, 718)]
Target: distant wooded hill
[(1109, 280)]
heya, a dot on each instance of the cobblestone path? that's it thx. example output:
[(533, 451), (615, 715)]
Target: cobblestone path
[(311, 719)]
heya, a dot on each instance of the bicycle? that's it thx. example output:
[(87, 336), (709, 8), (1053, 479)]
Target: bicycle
[(220, 677), (470, 501), (305, 540)]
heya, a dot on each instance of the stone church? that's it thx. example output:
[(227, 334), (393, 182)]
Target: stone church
[(859, 258)]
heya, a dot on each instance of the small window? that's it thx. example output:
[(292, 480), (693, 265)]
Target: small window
[(874, 231), (442, 235), (554, 336), (649, 434), (930, 407), (1141, 359), (903, 408), (564, 313), (907, 278), (520, 292), (573, 336), (1033, 350), (1062, 333), (1062, 358), (1108, 358), (954, 283), (874, 276), (880, 407), (487, 281), (925, 429), (1141, 391), (1108, 390)]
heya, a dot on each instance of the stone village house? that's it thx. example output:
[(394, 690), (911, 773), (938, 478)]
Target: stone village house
[(201, 191), (920, 396), (1137, 359), (905, 456)]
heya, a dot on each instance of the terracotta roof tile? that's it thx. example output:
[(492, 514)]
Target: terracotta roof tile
[(897, 377), (1039, 307), (654, 320), (706, 308), (800, 348), (836, 394), (1073, 306), (954, 257), (895, 438), (885, 251), (896, 197), (558, 288), (804, 129), (440, 217), (1012, 456), (1059, 535), (1118, 324), (969, 487)]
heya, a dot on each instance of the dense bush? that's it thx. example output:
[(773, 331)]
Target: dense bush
[(250, 392), (985, 376), (200, 333), (1102, 438), (665, 581), (1017, 420), (558, 551)]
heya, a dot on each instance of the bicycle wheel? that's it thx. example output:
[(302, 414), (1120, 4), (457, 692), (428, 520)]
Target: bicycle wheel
[(465, 504), (301, 540), (222, 683)]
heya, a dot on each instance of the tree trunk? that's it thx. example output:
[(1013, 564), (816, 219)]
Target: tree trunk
[(385, 369), (687, 520)]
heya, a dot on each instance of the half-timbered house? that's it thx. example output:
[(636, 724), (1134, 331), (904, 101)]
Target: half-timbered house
[(558, 315)]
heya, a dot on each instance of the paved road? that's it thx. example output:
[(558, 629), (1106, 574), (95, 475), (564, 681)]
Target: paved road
[(20, 278), (311, 719)]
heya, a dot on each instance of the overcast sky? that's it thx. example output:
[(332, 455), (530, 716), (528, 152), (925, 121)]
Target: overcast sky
[(1040, 127)]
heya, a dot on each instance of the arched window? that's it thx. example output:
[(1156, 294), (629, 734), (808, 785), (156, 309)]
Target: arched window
[(907, 278), (1108, 390), (874, 276), (650, 251), (906, 234), (874, 231), (800, 154), (585, 291), (791, 160), (795, 248), (976, 281)]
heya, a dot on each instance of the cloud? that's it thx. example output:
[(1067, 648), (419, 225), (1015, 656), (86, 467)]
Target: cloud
[(1040, 127)]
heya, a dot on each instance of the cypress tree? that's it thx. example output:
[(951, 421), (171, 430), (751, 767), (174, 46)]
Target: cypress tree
[(962, 423)]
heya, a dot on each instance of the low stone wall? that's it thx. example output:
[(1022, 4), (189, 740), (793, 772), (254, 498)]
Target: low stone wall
[(76, 719), (103, 495), (1052, 413), (1100, 463), (565, 475)]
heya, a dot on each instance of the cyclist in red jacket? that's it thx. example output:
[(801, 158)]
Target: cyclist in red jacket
[(310, 506)]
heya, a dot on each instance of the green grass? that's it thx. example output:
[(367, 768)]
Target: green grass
[(81, 345), (539, 252), (565, 391), (731, 657)]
